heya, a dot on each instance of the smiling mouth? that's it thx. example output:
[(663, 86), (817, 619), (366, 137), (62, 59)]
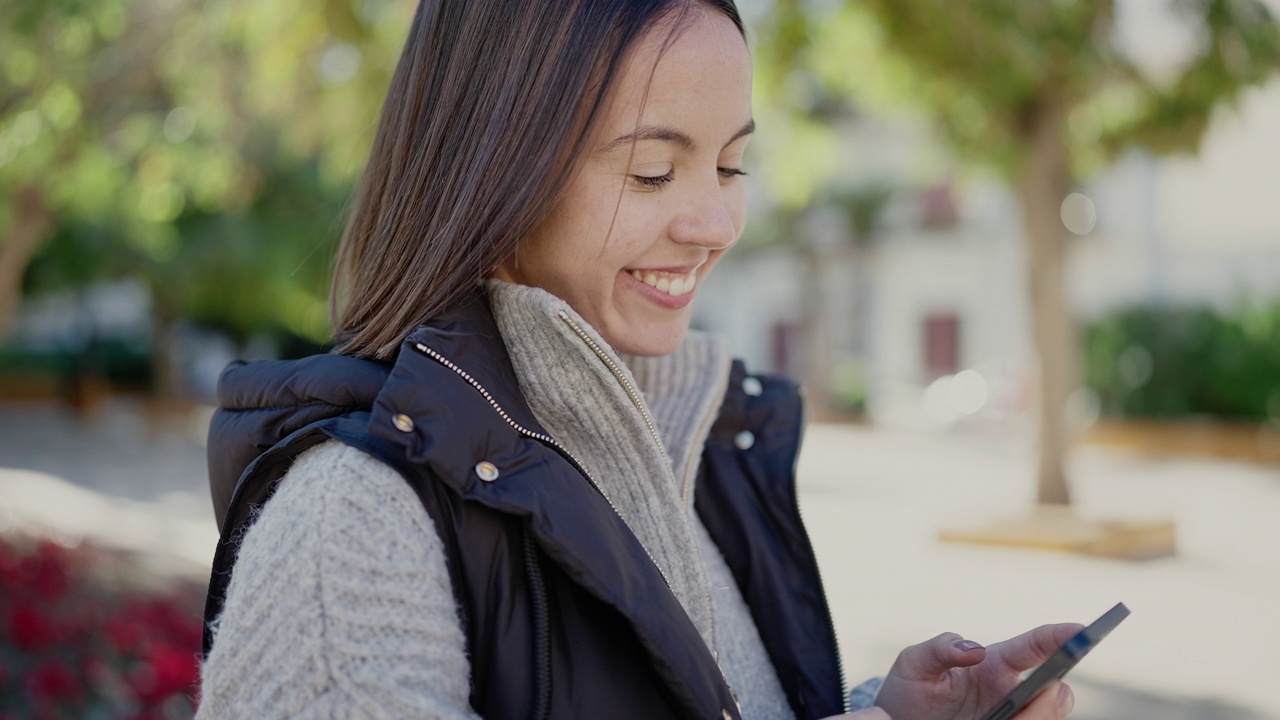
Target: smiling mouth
[(673, 284)]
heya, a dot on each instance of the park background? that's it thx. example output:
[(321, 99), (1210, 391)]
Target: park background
[(173, 177)]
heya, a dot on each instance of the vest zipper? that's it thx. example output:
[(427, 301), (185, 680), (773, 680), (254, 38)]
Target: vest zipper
[(831, 627), (622, 379), (653, 430), (547, 439), (541, 630)]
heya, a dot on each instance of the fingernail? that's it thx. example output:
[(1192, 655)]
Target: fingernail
[(1066, 700), (966, 645)]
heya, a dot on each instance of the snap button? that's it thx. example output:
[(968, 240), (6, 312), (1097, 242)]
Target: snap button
[(752, 386), (403, 422), (744, 440), (724, 714), (487, 471)]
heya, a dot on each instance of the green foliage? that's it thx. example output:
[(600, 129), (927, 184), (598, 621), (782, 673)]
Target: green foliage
[(124, 364), (849, 386), (92, 115), (1170, 362), (864, 206), (984, 68), (204, 146), (265, 271), (795, 111), (1239, 46)]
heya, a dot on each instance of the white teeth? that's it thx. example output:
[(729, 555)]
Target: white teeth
[(674, 286)]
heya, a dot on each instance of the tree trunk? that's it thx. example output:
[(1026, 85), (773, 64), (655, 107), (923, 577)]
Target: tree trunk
[(31, 224), (166, 382), (815, 329), (1044, 182)]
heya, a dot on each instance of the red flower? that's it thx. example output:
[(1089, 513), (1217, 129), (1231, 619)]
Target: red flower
[(126, 629), (177, 626), (46, 571), (28, 629), (10, 567), (80, 619), (81, 642), (51, 680), (167, 672)]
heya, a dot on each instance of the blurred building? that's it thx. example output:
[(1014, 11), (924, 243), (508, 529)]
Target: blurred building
[(941, 287)]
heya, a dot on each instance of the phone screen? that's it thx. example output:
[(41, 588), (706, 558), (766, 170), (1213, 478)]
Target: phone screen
[(1058, 664)]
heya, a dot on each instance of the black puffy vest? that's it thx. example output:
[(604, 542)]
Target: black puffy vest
[(564, 613)]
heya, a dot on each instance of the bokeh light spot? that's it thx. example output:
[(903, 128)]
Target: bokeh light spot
[(179, 124), (339, 63), (161, 202), (1079, 214), (26, 128), (1135, 366), (968, 392)]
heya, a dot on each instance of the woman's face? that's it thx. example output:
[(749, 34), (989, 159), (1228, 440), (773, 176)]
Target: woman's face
[(658, 198)]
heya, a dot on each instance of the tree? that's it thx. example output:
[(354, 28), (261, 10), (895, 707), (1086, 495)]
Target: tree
[(148, 133), (1041, 93)]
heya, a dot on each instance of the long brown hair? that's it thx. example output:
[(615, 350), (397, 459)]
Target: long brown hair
[(488, 110)]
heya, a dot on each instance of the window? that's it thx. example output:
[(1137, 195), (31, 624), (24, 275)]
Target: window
[(941, 344)]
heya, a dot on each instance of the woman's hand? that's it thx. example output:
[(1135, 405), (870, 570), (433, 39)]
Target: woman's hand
[(950, 678)]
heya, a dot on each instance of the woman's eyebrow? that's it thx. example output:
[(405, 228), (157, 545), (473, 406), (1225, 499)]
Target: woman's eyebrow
[(744, 131), (669, 134)]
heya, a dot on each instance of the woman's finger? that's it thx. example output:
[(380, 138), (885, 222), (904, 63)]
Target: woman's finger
[(1033, 647), (1054, 703), (931, 658)]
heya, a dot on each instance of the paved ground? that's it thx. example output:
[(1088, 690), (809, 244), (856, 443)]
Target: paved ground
[(1201, 644), (124, 476), (1202, 640)]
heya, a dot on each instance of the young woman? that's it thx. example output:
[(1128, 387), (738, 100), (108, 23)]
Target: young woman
[(522, 487)]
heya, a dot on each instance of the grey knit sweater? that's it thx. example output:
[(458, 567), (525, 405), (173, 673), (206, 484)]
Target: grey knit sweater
[(341, 605)]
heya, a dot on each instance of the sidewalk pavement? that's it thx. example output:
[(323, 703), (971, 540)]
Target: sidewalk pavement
[(1202, 640), (1201, 643), (123, 478)]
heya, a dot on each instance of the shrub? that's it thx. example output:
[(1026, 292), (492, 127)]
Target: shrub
[(1180, 361)]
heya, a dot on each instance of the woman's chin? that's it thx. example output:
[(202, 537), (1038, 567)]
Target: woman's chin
[(648, 341)]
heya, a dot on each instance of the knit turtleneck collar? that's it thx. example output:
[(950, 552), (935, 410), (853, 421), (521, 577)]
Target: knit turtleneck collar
[(636, 424), (684, 391)]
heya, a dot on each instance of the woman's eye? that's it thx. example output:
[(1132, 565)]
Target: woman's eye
[(654, 181)]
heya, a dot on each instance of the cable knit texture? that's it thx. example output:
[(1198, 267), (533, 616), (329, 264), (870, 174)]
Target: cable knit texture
[(578, 389), (340, 605)]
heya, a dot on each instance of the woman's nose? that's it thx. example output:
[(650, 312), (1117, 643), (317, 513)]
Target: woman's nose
[(707, 221)]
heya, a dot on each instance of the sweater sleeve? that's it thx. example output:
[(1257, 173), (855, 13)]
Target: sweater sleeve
[(340, 604)]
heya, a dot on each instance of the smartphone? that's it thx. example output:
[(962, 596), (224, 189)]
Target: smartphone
[(1058, 664)]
